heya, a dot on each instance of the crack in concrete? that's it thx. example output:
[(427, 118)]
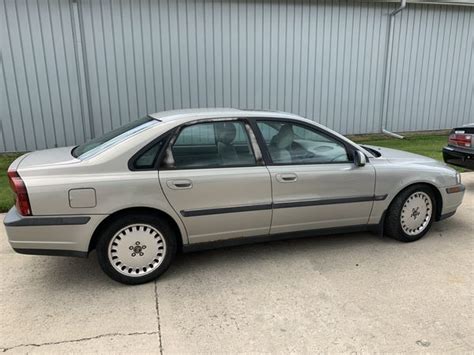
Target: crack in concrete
[(158, 317), (78, 340)]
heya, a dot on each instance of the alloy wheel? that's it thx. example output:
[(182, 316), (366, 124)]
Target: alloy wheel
[(137, 250), (416, 213)]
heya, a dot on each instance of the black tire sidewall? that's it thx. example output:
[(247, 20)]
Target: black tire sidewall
[(393, 225), (122, 222)]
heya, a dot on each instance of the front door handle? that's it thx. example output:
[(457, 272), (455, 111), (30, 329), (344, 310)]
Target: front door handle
[(181, 184), (287, 177)]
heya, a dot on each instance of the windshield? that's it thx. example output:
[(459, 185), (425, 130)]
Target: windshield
[(111, 138)]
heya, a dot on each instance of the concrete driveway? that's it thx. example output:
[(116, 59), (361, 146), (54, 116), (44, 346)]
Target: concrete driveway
[(344, 293)]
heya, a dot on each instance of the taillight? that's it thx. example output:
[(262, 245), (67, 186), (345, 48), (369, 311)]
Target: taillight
[(460, 140), (19, 188)]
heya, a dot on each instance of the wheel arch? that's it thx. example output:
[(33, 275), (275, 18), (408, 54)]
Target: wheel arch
[(434, 189), (144, 210)]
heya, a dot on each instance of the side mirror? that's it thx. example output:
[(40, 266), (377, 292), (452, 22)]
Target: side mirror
[(359, 158)]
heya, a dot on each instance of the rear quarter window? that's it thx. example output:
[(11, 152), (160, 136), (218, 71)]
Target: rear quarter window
[(147, 159)]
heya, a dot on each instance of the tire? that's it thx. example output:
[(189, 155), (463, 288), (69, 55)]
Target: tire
[(411, 214), (136, 248)]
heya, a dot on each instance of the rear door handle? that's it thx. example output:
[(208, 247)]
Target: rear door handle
[(180, 184), (287, 177)]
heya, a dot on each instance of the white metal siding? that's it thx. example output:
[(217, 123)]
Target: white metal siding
[(432, 76), (67, 64), (41, 103)]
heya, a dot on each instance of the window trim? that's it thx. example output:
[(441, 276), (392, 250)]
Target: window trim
[(266, 153), (131, 162), (257, 143), (252, 140)]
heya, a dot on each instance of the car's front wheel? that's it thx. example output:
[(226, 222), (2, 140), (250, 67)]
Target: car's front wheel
[(136, 248), (411, 214)]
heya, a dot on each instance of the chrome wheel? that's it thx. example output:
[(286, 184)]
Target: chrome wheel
[(416, 213), (137, 250)]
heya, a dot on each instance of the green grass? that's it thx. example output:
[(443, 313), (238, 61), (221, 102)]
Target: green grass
[(430, 145), (6, 195)]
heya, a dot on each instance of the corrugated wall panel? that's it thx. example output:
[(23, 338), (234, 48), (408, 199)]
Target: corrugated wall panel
[(66, 64), (323, 60), (432, 84), (41, 105)]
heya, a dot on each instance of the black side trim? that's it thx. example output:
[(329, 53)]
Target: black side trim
[(274, 237), (305, 203), (53, 252), (15, 220), (379, 228), (446, 215), (330, 201), (210, 211)]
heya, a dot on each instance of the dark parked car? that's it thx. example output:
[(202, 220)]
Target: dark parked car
[(460, 148)]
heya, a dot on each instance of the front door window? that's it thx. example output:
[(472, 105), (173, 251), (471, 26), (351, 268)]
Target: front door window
[(292, 143)]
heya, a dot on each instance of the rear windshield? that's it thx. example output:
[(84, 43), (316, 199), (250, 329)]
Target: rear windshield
[(99, 144)]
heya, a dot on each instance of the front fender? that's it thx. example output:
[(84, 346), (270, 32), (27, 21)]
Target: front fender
[(391, 179)]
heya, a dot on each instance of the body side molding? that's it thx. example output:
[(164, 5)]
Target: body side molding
[(16, 220), (289, 204)]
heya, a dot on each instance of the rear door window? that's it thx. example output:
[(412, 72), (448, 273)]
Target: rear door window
[(212, 145)]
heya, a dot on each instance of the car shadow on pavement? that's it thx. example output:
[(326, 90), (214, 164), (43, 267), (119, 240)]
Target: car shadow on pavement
[(318, 250), (86, 271), (289, 251), (323, 251), (74, 272)]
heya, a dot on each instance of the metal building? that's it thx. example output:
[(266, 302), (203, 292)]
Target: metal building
[(73, 69)]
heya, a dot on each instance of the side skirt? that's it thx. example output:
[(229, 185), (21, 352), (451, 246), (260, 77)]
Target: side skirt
[(281, 236), (52, 252)]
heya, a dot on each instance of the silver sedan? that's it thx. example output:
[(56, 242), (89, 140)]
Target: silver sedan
[(184, 180)]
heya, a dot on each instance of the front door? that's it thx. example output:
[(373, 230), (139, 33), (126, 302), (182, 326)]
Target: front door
[(216, 182), (315, 183)]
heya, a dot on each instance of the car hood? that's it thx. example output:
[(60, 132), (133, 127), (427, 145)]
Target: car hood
[(400, 156), (47, 157)]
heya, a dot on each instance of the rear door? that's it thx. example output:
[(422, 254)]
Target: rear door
[(315, 183), (214, 178)]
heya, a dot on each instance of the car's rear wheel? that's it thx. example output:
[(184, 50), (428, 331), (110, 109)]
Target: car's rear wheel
[(411, 214), (136, 248)]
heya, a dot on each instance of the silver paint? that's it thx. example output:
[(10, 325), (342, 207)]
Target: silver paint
[(50, 175)]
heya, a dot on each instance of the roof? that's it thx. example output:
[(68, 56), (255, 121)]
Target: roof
[(172, 115)]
